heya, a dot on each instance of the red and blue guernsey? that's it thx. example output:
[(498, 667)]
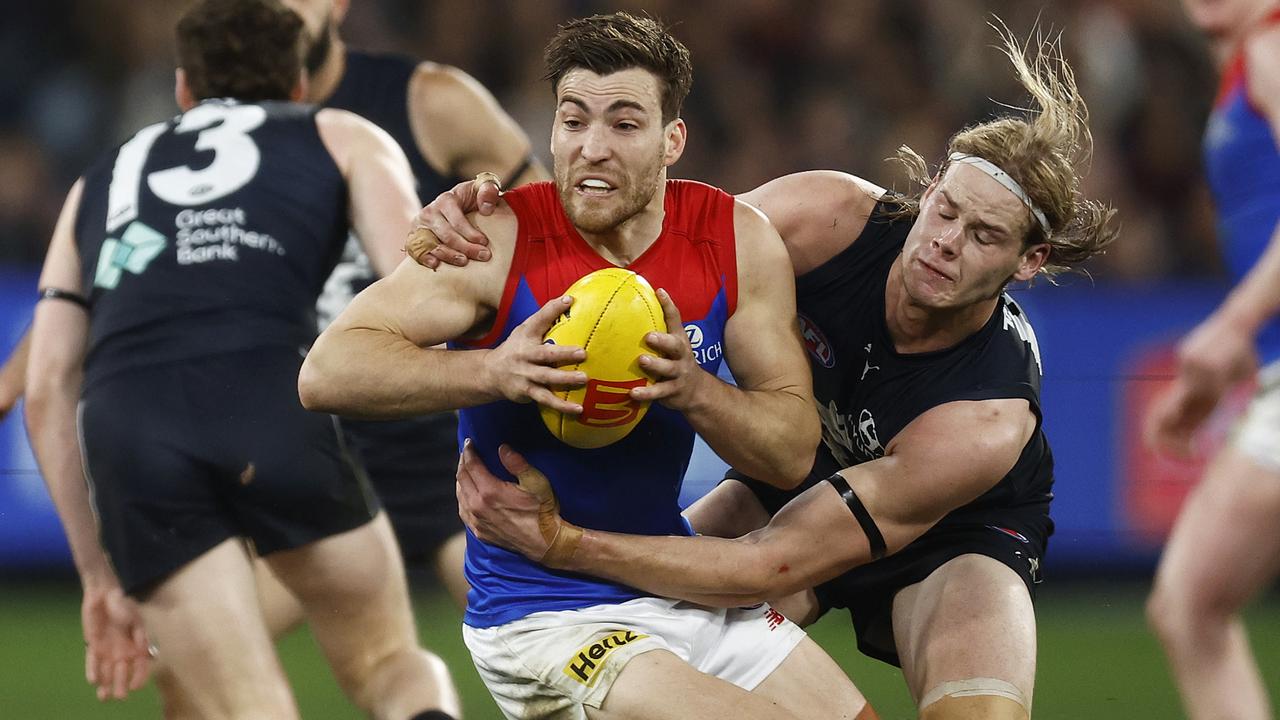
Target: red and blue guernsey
[(1243, 167), (633, 485)]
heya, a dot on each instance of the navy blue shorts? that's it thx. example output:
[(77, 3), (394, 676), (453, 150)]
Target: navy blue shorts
[(182, 456)]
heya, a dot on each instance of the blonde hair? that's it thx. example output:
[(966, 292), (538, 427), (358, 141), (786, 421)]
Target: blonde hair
[(1040, 149)]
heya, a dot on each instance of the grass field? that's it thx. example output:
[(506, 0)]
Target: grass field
[(1096, 659)]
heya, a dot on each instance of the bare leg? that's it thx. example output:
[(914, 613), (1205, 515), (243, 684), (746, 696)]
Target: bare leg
[(807, 685), (219, 660), (970, 622), (1224, 549), (357, 603), (281, 609)]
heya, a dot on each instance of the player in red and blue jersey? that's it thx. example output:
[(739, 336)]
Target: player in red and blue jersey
[(1207, 574), (555, 644)]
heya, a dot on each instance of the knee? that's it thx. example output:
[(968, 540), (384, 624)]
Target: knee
[(401, 678), (1175, 612), (986, 698)]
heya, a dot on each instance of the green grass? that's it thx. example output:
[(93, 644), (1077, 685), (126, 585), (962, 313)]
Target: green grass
[(1096, 659)]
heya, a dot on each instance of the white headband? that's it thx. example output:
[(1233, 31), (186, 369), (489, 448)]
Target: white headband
[(1006, 180)]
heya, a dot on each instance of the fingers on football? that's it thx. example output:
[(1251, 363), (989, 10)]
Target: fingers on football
[(541, 321), (670, 345), (558, 355), (547, 398), (670, 312)]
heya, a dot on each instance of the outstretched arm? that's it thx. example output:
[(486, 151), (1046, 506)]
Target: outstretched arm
[(1220, 350), (945, 458), (116, 657)]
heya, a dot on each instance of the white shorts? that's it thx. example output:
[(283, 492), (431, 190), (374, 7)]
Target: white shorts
[(1257, 435), (552, 664)]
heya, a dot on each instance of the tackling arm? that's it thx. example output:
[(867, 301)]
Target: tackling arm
[(945, 458)]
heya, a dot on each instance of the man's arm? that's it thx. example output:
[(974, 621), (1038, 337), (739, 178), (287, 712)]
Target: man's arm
[(944, 459), (1220, 350), (766, 426), (116, 657), (376, 359), (381, 201)]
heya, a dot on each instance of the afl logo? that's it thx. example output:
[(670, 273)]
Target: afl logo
[(695, 335), (816, 343)]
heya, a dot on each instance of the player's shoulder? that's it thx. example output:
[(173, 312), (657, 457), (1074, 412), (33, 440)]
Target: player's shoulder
[(445, 87)]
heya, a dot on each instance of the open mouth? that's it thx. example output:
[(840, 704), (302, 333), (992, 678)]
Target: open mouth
[(594, 187)]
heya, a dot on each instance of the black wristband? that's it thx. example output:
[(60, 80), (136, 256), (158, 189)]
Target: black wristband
[(874, 538), (53, 293)]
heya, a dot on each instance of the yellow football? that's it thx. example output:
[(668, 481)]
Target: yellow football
[(612, 311)]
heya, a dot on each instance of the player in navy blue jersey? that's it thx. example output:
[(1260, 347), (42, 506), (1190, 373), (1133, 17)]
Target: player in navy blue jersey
[(1225, 545), (177, 301), (927, 511)]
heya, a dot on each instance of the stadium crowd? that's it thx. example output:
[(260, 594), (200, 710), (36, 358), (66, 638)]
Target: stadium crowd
[(781, 86)]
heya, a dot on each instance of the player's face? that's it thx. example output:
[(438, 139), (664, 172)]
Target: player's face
[(610, 146), (1225, 19), (967, 242)]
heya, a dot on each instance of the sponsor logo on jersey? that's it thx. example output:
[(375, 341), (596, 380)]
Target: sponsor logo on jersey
[(589, 659), (703, 351), (816, 343), (137, 246)]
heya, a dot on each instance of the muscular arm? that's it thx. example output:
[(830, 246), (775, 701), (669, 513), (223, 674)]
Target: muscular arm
[(59, 335), (818, 213), (766, 426), (461, 130), (376, 359), (945, 458), (380, 194)]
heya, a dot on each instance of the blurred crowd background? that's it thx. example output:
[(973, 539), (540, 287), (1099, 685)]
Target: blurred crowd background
[(779, 86)]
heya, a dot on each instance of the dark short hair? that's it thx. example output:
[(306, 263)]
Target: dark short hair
[(249, 50), (606, 44)]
